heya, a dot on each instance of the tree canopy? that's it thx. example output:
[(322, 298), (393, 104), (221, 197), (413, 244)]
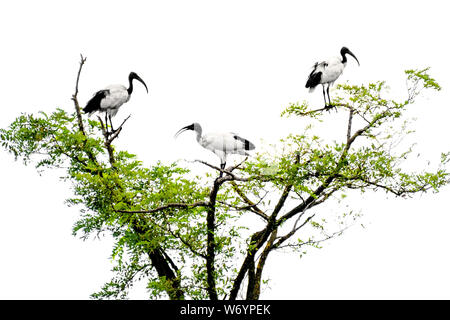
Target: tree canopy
[(208, 235)]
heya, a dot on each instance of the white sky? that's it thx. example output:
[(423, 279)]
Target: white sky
[(231, 66)]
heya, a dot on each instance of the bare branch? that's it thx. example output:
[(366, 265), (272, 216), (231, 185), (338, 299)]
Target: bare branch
[(89, 153), (230, 169), (325, 109), (116, 132), (226, 171), (82, 61), (75, 97), (314, 242)]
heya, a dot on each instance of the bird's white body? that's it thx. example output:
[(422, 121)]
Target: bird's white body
[(221, 144), (331, 70), (117, 95)]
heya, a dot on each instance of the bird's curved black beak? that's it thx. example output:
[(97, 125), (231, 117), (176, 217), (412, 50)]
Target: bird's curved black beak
[(142, 81), (133, 75), (351, 53), (189, 127)]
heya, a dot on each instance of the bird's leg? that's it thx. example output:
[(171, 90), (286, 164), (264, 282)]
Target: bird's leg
[(222, 166), (327, 105), (328, 94), (110, 121), (324, 98), (106, 123), (329, 100)]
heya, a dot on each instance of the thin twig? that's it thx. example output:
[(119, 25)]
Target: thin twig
[(230, 169), (215, 167), (104, 129), (253, 205), (116, 132), (230, 176), (327, 108), (179, 237), (250, 207), (312, 242), (167, 206), (82, 61), (292, 232)]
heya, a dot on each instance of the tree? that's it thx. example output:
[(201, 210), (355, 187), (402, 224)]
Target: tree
[(186, 233)]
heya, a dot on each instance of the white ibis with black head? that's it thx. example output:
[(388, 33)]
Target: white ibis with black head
[(110, 99), (326, 73), (222, 144)]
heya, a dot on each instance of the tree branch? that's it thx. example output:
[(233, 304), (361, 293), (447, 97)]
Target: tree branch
[(90, 155), (251, 204), (349, 127), (248, 262), (228, 171), (210, 241), (292, 232), (168, 206), (177, 236), (109, 138), (262, 260), (249, 207), (75, 97), (313, 242), (324, 109)]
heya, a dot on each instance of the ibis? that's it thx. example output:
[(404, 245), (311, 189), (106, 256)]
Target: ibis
[(110, 99), (221, 144), (327, 72)]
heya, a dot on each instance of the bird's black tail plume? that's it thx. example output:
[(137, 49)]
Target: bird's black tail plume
[(313, 79), (94, 104)]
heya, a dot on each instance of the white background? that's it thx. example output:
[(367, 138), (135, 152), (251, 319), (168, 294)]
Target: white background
[(231, 66)]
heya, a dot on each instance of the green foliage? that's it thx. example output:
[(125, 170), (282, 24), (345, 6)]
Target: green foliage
[(158, 214), (374, 163), (421, 77)]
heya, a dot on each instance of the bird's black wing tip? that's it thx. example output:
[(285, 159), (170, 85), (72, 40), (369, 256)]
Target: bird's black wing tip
[(247, 144), (94, 104), (313, 79)]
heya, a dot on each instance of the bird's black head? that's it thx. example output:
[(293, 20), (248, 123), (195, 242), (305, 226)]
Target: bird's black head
[(345, 51), (194, 127), (131, 77)]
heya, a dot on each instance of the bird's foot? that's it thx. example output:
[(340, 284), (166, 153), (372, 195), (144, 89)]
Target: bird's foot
[(112, 132), (329, 107)]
